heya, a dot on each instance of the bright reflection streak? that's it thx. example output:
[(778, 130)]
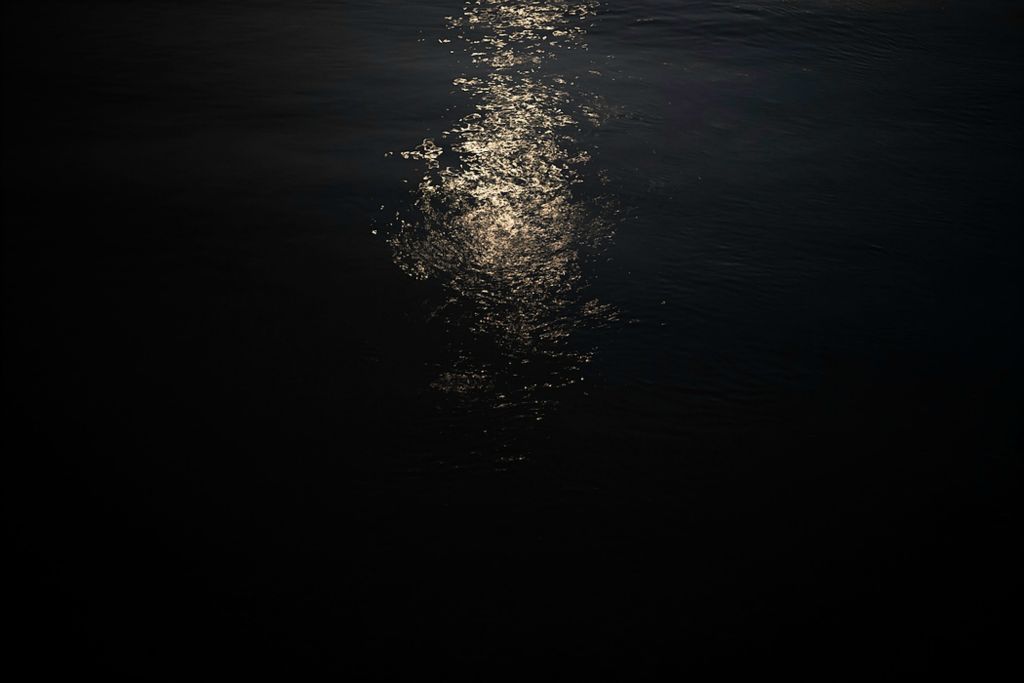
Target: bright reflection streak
[(501, 229)]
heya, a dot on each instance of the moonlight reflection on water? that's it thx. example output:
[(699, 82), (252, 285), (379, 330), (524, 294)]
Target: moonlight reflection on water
[(501, 228)]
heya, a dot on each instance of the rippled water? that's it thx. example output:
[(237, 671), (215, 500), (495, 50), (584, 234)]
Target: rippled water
[(277, 271), (512, 228), (502, 227), (725, 207)]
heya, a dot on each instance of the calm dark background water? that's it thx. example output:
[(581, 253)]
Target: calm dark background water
[(242, 437)]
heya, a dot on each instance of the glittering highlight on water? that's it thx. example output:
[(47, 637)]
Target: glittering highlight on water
[(497, 222)]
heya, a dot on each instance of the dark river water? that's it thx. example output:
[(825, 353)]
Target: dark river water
[(514, 338)]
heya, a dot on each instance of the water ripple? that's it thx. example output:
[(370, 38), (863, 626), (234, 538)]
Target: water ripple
[(497, 220)]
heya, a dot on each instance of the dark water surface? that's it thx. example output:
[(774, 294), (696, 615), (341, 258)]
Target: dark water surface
[(508, 339)]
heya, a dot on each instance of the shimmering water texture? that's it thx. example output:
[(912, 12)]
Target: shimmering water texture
[(496, 219)]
